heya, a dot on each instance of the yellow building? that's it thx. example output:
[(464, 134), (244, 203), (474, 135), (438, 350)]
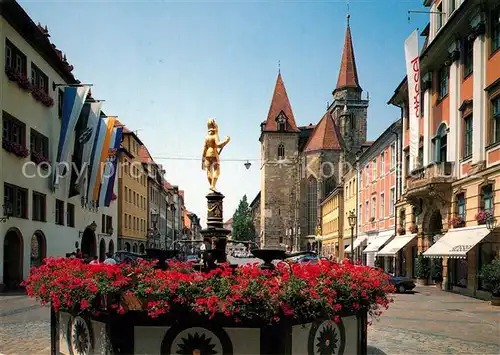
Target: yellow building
[(331, 224), (132, 206), (350, 203)]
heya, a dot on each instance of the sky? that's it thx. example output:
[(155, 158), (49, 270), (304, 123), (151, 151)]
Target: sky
[(165, 67)]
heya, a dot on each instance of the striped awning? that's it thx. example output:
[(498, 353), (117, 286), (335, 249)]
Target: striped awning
[(377, 242), (396, 245), (457, 242), (356, 243)]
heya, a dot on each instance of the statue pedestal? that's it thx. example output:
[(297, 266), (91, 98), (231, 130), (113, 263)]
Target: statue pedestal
[(215, 234)]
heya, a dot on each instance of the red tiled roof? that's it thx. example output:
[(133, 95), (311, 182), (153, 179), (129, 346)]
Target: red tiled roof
[(144, 155), (325, 136), (280, 103), (348, 74), (167, 185)]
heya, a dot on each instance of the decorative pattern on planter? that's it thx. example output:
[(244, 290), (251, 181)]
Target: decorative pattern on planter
[(81, 342), (326, 338), (196, 340)]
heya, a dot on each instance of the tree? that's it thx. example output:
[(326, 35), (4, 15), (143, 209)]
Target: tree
[(242, 227)]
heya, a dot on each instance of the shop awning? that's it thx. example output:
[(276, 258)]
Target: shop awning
[(457, 242), (356, 243), (377, 242), (396, 245)]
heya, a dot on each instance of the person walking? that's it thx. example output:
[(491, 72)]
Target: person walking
[(109, 259)]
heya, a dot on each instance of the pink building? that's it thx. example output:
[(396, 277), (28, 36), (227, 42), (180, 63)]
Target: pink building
[(377, 192)]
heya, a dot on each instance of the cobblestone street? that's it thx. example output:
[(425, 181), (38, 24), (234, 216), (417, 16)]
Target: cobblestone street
[(426, 322)]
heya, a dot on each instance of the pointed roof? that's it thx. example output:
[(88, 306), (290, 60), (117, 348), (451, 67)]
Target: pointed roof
[(348, 74), (325, 136), (280, 103)]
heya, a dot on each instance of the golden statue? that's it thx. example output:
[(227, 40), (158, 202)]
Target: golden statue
[(211, 153)]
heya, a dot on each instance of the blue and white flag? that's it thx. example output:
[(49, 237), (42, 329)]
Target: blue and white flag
[(109, 174), (87, 138), (74, 98)]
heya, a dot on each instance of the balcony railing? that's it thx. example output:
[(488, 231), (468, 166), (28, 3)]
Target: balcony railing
[(431, 174)]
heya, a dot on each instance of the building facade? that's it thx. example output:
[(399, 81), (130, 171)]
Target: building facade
[(332, 211), (41, 222), (378, 171), (448, 197), (133, 197), (301, 165), (350, 205)]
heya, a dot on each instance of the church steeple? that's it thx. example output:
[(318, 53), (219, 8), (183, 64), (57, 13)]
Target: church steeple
[(280, 116), (348, 74)]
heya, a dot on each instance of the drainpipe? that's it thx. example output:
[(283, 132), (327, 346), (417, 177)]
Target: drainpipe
[(357, 196)]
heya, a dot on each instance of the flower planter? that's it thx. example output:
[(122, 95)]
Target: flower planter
[(15, 148), (187, 333), (495, 301), (422, 282)]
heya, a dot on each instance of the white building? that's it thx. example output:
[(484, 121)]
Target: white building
[(42, 222)]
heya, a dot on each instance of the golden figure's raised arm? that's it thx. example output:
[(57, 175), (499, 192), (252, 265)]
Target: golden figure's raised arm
[(222, 144)]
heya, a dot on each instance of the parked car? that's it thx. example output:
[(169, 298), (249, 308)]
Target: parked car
[(402, 283), (192, 259), (128, 257)]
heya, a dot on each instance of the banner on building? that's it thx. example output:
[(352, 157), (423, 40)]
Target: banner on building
[(86, 139), (95, 157), (108, 128), (109, 175), (413, 79), (74, 98)]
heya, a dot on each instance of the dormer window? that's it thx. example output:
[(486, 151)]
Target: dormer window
[(281, 121)]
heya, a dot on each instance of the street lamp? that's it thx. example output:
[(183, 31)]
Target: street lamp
[(7, 211), (491, 223), (352, 223)]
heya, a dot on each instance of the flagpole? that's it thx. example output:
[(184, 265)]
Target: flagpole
[(54, 85)]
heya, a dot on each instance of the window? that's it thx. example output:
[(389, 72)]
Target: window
[(487, 198), (392, 197), (14, 131), (367, 211), (367, 172), (374, 168), (468, 58), (126, 194), (281, 152), (60, 212), (103, 223), (382, 206), (439, 14), (374, 207), (18, 197), (60, 101), (39, 208), (461, 205), (38, 79), (407, 164), (70, 215), (495, 30), (440, 144), (443, 77), (495, 107), (14, 58), (382, 163), (467, 149), (451, 6), (126, 221), (393, 156), (420, 157), (312, 205), (39, 144)]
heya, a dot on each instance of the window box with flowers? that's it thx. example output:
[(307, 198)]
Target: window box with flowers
[(15, 148), (413, 228), (457, 222), (401, 230), (22, 80), (40, 159), (41, 96), (139, 309), (482, 216)]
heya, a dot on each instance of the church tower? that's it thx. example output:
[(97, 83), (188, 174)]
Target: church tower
[(348, 109), (279, 154)]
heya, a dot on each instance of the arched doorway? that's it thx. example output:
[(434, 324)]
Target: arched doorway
[(127, 246), (142, 249), (102, 250), (38, 249), (13, 258), (111, 247), (89, 245), (134, 248)]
